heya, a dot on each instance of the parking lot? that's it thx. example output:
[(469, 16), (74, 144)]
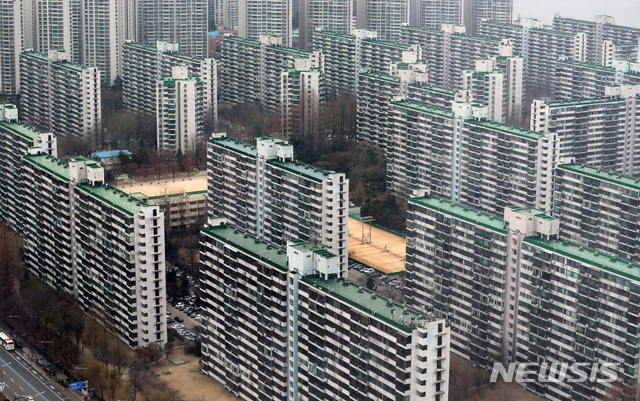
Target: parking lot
[(387, 286)]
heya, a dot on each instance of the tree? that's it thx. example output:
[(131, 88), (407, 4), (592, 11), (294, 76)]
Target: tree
[(10, 262), (371, 283), (138, 373)]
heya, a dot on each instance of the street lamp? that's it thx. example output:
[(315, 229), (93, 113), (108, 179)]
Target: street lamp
[(2, 373)]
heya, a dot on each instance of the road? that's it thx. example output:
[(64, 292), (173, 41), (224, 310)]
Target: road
[(23, 379), (189, 323)]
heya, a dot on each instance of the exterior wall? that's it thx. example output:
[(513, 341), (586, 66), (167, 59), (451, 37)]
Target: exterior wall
[(492, 10), (262, 17), (314, 342), (375, 91), (575, 80), (326, 15), (182, 211), (102, 37), (377, 55), (599, 132), (339, 51), (434, 13), (301, 94), (385, 17), (144, 65), (598, 209), (450, 154), (240, 70), (10, 47), (183, 22)]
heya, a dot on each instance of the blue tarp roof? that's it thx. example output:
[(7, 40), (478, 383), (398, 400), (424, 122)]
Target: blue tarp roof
[(213, 33), (110, 153)]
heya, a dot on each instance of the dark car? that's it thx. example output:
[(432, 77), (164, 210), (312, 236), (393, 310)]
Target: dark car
[(179, 319), (170, 320)]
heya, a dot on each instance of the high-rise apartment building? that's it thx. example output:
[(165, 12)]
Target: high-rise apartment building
[(16, 139), (223, 14), (339, 52), (449, 52), (326, 337), (432, 14), (144, 65), (11, 46), (184, 22), (252, 70), (497, 83), (179, 111), (500, 11), (263, 191), (600, 132), (265, 17), (575, 80), (301, 95), (102, 37), (595, 208), (82, 236), (514, 292), (541, 48), (326, 15), (601, 37), (384, 17), (458, 154), (60, 96)]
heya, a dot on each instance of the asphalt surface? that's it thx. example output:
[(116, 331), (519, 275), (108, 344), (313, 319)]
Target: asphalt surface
[(189, 323), (23, 379)]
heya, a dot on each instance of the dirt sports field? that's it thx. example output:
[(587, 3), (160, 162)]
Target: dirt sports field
[(385, 253), (156, 188)]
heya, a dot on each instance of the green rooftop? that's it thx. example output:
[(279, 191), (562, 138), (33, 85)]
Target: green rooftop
[(380, 76), (508, 129), (242, 40), (302, 169), (462, 213), (533, 212), (304, 246), (388, 44), (235, 145), (249, 244), (340, 35), (369, 302), (585, 102), (422, 107), (589, 256), (437, 89), (604, 175), (114, 197), (587, 65), (50, 164), (23, 130)]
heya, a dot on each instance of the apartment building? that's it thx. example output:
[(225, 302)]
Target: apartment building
[(377, 55), (488, 10), (262, 190), (326, 337), (180, 114), (602, 35), (600, 132), (223, 14), (324, 15), (183, 210), (16, 139), (450, 52), (577, 80), (10, 47), (514, 292), (184, 22), (252, 70), (541, 48), (497, 83), (60, 96), (432, 14), (144, 65), (458, 154), (596, 208), (302, 93), (266, 18), (385, 17)]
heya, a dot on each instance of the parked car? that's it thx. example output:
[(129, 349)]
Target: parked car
[(170, 320), (179, 319)]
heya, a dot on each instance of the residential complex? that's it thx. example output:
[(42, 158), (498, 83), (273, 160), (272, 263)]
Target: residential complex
[(384, 17), (458, 154), (301, 94), (432, 14), (184, 22), (577, 80), (253, 70), (500, 11), (449, 52), (326, 15), (144, 65), (179, 111), (60, 96), (541, 48), (84, 237), (266, 17), (600, 132), (601, 37), (514, 292), (325, 337), (262, 190)]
